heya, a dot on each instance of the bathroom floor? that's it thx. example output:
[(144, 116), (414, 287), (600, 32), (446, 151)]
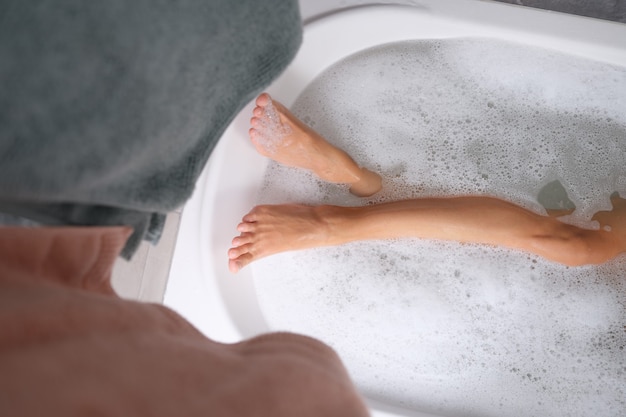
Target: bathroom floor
[(145, 276)]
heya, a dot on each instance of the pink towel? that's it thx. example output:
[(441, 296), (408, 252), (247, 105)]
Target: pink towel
[(70, 347)]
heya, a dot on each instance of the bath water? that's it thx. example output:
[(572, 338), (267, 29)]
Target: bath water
[(452, 328)]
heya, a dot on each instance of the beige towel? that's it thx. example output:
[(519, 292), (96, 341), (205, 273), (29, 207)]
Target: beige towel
[(70, 347)]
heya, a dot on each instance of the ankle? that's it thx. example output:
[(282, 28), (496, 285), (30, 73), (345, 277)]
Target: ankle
[(334, 224), (368, 184)]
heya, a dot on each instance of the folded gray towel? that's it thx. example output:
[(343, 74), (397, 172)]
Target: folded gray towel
[(109, 110)]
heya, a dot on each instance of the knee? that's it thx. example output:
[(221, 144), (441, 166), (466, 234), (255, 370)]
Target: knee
[(578, 250), (566, 245), (575, 249)]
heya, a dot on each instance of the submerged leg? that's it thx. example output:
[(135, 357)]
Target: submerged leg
[(279, 135), (267, 230)]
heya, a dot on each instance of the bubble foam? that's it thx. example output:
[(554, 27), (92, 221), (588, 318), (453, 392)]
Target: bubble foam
[(451, 328), (272, 130)]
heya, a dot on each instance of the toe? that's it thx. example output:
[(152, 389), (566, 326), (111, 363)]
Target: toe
[(241, 239), (236, 252), (245, 227), (235, 265), (256, 122), (263, 100), (252, 216), (258, 111)]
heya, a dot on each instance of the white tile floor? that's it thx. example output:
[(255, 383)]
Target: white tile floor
[(144, 277)]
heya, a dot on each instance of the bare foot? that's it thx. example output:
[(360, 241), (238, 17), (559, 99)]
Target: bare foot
[(271, 229), (279, 135)]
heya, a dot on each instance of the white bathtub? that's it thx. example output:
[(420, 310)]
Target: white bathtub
[(223, 305)]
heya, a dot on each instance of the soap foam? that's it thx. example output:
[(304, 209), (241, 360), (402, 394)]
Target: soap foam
[(272, 130), (441, 326)]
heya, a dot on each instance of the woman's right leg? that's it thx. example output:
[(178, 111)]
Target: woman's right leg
[(279, 135)]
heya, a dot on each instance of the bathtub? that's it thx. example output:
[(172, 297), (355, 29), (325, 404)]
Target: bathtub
[(200, 287)]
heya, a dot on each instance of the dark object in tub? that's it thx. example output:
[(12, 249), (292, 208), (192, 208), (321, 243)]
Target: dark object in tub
[(110, 110)]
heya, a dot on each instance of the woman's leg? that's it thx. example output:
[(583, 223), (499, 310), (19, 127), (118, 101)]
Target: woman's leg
[(267, 230), (279, 135)]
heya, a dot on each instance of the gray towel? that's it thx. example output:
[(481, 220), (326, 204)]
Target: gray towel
[(109, 110)]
